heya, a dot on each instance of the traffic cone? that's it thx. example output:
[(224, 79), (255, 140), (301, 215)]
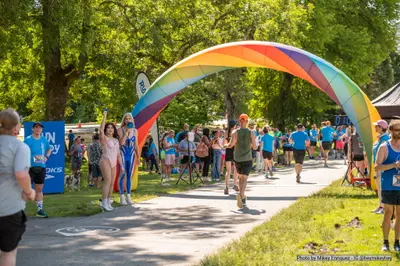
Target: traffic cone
[(79, 124)]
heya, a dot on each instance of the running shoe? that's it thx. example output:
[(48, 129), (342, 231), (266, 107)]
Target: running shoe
[(326, 166), (42, 214), (380, 211), (239, 201), (226, 191), (396, 246), (123, 200), (385, 247), (376, 210), (298, 179), (244, 202), (105, 206), (266, 175), (129, 200), (236, 188)]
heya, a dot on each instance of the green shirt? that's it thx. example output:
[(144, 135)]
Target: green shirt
[(243, 151)]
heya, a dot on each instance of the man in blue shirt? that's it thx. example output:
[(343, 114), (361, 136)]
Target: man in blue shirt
[(267, 147), (327, 133), (300, 140), (40, 153)]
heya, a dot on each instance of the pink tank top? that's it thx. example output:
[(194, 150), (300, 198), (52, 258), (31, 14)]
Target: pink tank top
[(110, 151)]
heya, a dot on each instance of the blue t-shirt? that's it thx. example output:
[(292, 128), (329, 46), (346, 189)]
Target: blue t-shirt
[(268, 142), (313, 135), (71, 137), (388, 176), (299, 138), (170, 141), (336, 136), (327, 134), (152, 146), (39, 148), (382, 139)]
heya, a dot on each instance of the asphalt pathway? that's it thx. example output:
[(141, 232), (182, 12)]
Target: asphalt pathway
[(178, 229)]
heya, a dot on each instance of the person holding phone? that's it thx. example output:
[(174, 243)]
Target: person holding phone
[(109, 159), (129, 151), (15, 186)]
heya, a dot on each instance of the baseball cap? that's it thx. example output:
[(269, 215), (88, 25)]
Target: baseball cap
[(243, 117), (299, 125), (382, 123), (37, 124)]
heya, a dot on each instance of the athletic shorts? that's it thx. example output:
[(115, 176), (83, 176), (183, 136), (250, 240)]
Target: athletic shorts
[(185, 160), (267, 155), (169, 159), (391, 197), (76, 165), (339, 144), (96, 172), (229, 155), (313, 143), (358, 158), (244, 168), (12, 227), (285, 148), (38, 174), (299, 156), (327, 145)]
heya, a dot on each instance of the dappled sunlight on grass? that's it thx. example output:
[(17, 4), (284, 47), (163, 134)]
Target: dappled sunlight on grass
[(319, 224), (86, 201)]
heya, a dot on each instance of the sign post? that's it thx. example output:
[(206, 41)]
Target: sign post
[(54, 132)]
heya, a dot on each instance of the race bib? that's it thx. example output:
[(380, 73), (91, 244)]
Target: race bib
[(396, 180), (38, 159)]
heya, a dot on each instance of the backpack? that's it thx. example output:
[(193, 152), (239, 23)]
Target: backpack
[(202, 149)]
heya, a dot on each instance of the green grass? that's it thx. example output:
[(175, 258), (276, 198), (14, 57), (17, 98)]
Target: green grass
[(85, 202), (312, 219)]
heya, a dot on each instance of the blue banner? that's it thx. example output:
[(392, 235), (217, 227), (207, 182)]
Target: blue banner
[(54, 132)]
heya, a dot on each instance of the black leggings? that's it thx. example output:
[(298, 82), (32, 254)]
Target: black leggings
[(206, 166)]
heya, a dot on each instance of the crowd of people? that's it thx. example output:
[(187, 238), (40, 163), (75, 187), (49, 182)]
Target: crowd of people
[(239, 148)]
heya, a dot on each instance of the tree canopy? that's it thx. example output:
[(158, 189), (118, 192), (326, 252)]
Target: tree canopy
[(68, 59)]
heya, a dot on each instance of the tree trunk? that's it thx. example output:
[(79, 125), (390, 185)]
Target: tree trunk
[(58, 80), (283, 96), (230, 106)]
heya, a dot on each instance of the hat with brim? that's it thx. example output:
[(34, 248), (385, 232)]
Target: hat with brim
[(382, 123), (37, 124)]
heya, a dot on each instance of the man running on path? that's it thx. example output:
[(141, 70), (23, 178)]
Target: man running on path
[(300, 140), (244, 141)]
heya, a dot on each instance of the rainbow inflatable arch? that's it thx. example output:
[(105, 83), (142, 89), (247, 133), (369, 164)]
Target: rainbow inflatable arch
[(323, 75)]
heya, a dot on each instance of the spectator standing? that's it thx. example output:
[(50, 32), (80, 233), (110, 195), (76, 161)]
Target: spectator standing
[(15, 186), (40, 153), (381, 127), (94, 155)]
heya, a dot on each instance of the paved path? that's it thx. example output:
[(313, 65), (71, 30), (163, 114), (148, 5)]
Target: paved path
[(177, 229)]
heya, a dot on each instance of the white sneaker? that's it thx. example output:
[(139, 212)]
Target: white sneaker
[(109, 201), (128, 199), (123, 200), (104, 205)]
